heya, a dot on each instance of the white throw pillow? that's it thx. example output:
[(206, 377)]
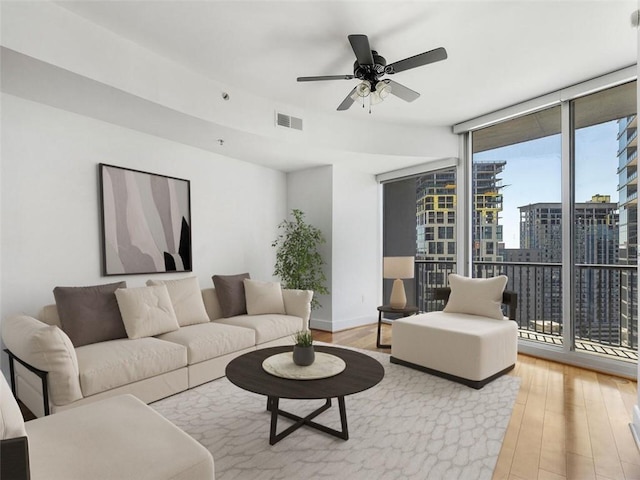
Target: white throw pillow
[(476, 296), (146, 311), (186, 299), (263, 297)]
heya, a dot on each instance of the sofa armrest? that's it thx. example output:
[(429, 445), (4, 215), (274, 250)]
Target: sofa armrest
[(298, 303), (47, 348)]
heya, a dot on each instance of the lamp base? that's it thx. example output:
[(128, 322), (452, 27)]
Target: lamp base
[(398, 296)]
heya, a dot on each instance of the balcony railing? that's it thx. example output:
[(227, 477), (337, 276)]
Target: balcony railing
[(604, 301)]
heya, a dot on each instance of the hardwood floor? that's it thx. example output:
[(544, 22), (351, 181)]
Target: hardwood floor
[(567, 423)]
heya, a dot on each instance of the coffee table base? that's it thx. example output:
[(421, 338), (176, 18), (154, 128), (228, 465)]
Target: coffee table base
[(273, 407)]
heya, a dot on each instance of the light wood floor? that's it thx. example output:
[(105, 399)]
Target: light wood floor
[(567, 422)]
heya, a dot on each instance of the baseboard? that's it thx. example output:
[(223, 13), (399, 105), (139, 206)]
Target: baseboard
[(477, 384), (337, 326)]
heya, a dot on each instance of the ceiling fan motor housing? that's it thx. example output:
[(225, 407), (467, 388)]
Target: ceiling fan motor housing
[(370, 72)]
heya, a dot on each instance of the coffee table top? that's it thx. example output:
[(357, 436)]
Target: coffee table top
[(362, 372)]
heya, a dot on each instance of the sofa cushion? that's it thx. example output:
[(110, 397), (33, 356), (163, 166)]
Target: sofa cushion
[(90, 314), (47, 348), (263, 297), (146, 311), (267, 327), (108, 365), (186, 299), (49, 315), (476, 296), (211, 303), (230, 291), (211, 340), (298, 303), (11, 421), (117, 438)]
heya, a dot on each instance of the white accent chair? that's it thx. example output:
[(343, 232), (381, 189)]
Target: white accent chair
[(119, 437), (466, 348)]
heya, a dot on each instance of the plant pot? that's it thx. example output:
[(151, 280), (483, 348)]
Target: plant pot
[(303, 356)]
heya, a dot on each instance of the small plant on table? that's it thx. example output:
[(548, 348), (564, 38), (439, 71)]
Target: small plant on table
[(303, 338)]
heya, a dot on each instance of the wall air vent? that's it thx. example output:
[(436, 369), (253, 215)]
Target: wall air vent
[(287, 121)]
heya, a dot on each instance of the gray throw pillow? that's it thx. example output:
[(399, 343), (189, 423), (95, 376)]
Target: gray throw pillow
[(90, 314), (230, 292)]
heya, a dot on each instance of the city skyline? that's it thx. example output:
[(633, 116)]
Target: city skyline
[(596, 152)]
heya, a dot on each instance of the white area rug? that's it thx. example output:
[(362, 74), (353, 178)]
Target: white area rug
[(410, 426)]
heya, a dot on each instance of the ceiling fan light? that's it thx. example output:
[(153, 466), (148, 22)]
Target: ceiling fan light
[(383, 89), (364, 88), (375, 98)]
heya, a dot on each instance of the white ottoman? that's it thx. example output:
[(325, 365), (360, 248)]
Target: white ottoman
[(116, 438), (469, 349)]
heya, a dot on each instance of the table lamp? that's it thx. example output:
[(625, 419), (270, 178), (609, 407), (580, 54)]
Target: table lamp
[(398, 268)]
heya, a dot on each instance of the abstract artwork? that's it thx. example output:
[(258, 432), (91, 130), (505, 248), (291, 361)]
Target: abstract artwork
[(146, 222)]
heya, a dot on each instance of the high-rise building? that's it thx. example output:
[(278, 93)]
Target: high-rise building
[(487, 203), (436, 213), (436, 216), (596, 244), (436, 202), (628, 207)]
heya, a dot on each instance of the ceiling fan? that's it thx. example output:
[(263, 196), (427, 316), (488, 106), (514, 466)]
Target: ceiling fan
[(369, 67)]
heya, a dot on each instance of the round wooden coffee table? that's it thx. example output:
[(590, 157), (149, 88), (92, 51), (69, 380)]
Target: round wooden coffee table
[(361, 372)]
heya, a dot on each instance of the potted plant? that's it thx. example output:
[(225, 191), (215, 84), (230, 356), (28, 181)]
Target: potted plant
[(298, 262), (303, 353)]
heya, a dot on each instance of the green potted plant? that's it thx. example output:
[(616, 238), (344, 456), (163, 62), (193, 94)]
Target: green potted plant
[(298, 262), (303, 353)]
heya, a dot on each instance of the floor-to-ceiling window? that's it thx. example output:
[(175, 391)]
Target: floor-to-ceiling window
[(517, 216), (419, 220), (554, 207), (605, 226)]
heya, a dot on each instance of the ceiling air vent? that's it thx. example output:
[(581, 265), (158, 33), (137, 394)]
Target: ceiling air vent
[(287, 121)]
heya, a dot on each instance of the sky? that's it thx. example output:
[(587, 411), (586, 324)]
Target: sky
[(533, 172)]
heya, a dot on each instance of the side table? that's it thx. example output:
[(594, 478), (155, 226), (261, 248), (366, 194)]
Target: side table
[(404, 312)]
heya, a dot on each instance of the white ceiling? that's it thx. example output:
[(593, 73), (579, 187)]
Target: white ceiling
[(500, 52)]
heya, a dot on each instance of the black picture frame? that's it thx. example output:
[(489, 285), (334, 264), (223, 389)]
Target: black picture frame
[(145, 220)]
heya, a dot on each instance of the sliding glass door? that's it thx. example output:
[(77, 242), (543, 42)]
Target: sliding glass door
[(605, 226), (517, 216), (554, 202), (420, 220)]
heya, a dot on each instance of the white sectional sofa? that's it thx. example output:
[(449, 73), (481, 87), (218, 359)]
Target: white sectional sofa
[(49, 374)]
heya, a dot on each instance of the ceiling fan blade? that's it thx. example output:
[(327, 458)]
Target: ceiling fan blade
[(325, 77), (400, 91), (362, 49), (417, 60), (348, 101)]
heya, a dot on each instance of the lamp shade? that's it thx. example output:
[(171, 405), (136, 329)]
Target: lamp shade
[(398, 267)]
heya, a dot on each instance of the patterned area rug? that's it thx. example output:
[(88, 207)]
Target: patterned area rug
[(410, 426)]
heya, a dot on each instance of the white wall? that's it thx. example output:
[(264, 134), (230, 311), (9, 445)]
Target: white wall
[(50, 223), (311, 191), (345, 206), (357, 254), (50, 217)]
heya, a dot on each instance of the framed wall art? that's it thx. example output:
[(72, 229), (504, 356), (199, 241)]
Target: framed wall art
[(146, 222)]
